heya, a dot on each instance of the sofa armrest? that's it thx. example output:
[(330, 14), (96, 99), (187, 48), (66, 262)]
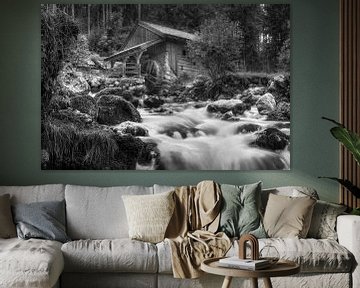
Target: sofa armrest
[(348, 230)]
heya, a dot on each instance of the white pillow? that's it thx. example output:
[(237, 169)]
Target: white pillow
[(149, 215)]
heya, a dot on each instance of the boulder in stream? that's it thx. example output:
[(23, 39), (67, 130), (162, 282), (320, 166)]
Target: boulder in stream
[(266, 104), (132, 128), (237, 107), (115, 110), (272, 138)]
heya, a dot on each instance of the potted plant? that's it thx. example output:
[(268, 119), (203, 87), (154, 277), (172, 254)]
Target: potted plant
[(351, 141)]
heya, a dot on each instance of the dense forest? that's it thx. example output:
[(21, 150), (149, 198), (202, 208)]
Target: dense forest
[(233, 113), (264, 44)]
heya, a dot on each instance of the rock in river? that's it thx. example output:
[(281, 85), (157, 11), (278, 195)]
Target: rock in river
[(266, 104), (237, 107), (272, 138), (115, 110)]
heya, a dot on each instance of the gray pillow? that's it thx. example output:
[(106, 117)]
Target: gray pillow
[(44, 220), (323, 222), (240, 213)]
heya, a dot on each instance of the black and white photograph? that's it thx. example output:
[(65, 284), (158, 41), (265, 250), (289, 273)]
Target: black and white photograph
[(165, 87)]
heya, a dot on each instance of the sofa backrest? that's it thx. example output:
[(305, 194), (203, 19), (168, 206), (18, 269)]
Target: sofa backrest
[(98, 212), (35, 193)]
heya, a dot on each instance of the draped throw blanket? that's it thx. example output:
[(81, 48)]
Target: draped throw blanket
[(191, 231)]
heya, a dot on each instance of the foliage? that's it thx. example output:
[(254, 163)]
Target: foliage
[(284, 56), (58, 33), (217, 46), (85, 104), (351, 141), (71, 148), (94, 39), (276, 31)]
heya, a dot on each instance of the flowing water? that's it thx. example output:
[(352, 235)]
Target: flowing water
[(192, 139)]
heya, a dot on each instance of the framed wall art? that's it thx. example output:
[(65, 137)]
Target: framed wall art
[(165, 86)]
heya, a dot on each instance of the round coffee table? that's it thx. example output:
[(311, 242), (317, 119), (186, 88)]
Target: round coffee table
[(281, 268)]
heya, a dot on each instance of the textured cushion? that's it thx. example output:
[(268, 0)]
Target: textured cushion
[(118, 255), (240, 210), (291, 191), (288, 216), (98, 213), (32, 263), (44, 220), (149, 215), (7, 227), (323, 222), (36, 193)]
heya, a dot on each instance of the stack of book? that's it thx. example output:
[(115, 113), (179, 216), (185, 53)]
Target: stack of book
[(248, 264)]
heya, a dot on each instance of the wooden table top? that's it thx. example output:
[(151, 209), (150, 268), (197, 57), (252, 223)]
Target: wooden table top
[(281, 268)]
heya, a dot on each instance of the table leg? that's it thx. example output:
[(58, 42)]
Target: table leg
[(267, 283), (227, 282), (254, 282)]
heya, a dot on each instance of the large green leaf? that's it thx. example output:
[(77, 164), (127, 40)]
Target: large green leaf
[(348, 138), (348, 185)]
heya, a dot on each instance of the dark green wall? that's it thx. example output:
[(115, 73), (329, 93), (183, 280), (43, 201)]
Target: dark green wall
[(314, 92)]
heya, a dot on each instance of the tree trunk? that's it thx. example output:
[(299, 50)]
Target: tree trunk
[(73, 11), (89, 22), (104, 15)]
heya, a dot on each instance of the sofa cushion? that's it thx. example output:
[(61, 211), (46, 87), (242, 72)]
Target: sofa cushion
[(43, 220), (30, 263), (98, 213), (323, 222), (313, 255), (117, 255), (240, 210), (149, 215), (287, 216), (290, 191), (7, 226), (36, 193)]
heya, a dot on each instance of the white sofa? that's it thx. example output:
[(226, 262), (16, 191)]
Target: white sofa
[(101, 255)]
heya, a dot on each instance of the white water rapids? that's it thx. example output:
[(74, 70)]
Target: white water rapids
[(192, 139)]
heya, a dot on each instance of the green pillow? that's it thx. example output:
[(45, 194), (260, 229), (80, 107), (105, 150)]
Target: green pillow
[(240, 212)]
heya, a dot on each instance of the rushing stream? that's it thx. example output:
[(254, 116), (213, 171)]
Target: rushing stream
[(192, 139)]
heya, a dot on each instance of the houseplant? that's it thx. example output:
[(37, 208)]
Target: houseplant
[(351, 141)]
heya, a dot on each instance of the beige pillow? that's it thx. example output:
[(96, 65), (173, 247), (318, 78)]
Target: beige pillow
[(288, 217), (7, 226), (149, 215)]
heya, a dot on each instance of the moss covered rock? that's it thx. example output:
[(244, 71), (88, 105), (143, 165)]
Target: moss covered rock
[(85, 104), (114, 110)]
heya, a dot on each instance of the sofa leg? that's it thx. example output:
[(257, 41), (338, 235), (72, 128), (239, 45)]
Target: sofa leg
[(254, 282)]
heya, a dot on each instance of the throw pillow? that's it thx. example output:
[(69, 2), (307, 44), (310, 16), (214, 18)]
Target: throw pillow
[(323, 222), (288, 217), (7, 226), (240, 213), (149, 215), (43, 220)]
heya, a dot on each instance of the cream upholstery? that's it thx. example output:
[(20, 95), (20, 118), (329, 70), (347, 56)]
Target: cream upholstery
[(98, 213), (32, 263), (117, 255)]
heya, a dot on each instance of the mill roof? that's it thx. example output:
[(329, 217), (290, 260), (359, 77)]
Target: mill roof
[(167, 31)]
